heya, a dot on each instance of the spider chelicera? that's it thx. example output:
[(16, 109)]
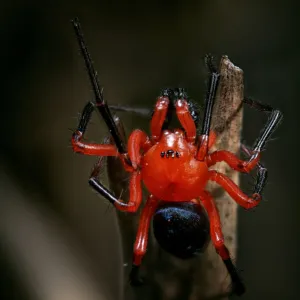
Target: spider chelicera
[(174, 165)]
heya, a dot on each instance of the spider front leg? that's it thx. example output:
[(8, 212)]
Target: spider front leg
[(89, 148), (218, 241), (209, 104), (92, 149), (184, 116), (159, 115), (137, 142), (141, 242)]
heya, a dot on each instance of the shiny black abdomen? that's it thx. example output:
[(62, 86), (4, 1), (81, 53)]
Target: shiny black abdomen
[(181, 228)]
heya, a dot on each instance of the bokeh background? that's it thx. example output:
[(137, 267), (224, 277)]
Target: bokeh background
[(48, 213)]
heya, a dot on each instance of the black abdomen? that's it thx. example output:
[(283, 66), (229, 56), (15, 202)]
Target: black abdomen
[(181, 228)]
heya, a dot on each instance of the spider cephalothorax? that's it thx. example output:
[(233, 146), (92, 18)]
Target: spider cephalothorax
[(174, 165)]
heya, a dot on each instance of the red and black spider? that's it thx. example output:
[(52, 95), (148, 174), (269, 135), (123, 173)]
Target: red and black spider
[(174, 165)]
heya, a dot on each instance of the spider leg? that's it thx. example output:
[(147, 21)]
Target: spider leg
[(135, 189), (235, 192), (274, 120), (141, 242), (262, 173), (89, 148), (218, 241), (232, 160), (184, 116), (138, 140), (160, 113), (246, 166), (211, 139), (209, 103), (100, 103)]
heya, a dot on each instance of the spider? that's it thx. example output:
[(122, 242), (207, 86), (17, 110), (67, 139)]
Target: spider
[(173, 164)]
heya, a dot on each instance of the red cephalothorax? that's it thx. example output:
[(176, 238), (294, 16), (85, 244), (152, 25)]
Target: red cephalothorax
[(170, 170), (174, 165)]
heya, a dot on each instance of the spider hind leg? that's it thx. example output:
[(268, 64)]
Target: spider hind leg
[(238, 286), (134, 277), (218, 240), (141, 241)]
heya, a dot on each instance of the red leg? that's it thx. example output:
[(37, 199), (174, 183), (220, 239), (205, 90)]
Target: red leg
[(140, 245), (234, 191), (203, 149), (234, 162), (218, 241), (215, 224), (141, 242), (186, 120), (135, 197), (137, 141), (135, 189), (205, 142), (211, 139), (90, 148), (159, 116)]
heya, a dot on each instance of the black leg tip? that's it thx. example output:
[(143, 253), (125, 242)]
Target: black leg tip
[(134, 278), (238, 288), (209, 61)]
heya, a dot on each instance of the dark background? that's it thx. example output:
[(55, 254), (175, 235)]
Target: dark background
[(138, 48)]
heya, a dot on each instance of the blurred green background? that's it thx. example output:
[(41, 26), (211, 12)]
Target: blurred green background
[(138, 48)]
